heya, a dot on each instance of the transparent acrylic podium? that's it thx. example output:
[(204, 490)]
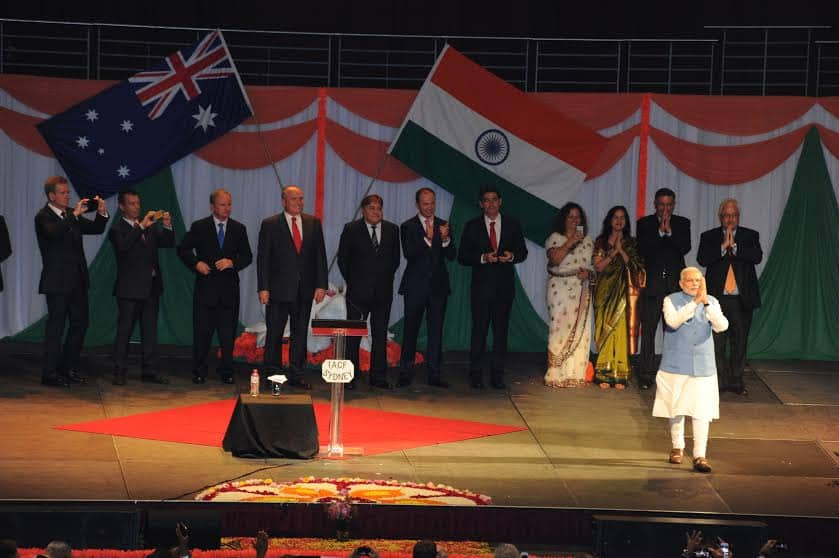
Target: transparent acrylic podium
[(338, 372)]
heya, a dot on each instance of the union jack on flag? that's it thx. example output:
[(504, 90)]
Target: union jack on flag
[(209, 60), (139, 126)]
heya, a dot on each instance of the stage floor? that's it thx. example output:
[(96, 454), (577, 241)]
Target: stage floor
[(775, 451)]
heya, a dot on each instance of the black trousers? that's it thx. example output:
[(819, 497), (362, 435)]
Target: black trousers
[(277, 313), (434, 307), (71, 309), (130, 311), (206, 320), (379, 313), (486, 313), (730, 345), (651, 314)]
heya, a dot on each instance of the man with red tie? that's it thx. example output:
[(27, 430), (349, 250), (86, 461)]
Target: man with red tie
[(491, 245), (730, 253), (291, 272)]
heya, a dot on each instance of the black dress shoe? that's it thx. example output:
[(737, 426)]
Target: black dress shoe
[(119, 379), (438, 382), (645, 385), (477, 383), (381, 384), (227, 378), (740, 390), (76, 378), (403, 382), (199, 379), (498, 384), (351, 384), (56, 381), (154, 379), (299, 383)]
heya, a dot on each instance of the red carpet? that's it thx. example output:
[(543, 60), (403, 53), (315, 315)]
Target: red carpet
[(374, 431)]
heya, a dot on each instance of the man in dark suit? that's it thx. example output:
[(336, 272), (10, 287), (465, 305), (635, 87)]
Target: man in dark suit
[(5, 246), (216, 248), (139, 282), (291, 271), (730, 253), (64, 278), (427, 244), (491, 245), (663, 241), (368, 257)]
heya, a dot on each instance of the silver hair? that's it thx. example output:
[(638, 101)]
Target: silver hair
[(506, 550), (58, 549)]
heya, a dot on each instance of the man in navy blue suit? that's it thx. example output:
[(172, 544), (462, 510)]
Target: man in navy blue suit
[(216, 248), (427, 244)]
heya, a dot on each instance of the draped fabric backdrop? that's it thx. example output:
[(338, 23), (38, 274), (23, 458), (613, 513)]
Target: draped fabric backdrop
[(778, 156)]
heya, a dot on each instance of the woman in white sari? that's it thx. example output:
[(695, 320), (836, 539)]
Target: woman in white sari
[(569, 298)]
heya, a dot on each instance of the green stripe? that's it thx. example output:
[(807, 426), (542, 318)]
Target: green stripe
[(443, 165)]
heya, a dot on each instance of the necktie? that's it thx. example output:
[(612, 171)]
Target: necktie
[(730, 281), (429, 228), (373, 238), (295, 233), (493, 240), (221, 235), (63, 215)]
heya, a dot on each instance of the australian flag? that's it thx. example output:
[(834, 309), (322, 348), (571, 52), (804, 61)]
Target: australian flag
[(130, 131)]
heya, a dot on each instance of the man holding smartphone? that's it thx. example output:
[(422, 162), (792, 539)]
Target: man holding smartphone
[(427, 244), (491, 245), (64, 277), (139, 282)]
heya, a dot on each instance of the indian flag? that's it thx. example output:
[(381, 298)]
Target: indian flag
[(468, 128)]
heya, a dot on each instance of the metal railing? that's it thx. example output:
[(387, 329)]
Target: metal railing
[(740, 60)]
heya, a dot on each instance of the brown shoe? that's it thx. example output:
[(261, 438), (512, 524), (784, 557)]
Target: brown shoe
[(676, 455), (701, 464)]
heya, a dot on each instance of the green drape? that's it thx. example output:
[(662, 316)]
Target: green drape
[(800, 284), (528, 333), (175, 320)]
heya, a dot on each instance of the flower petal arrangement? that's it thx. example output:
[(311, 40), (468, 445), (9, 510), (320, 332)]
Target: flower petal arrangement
[(349, 490)]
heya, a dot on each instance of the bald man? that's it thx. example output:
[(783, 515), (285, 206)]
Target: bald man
[(729, 254), (291, 272)]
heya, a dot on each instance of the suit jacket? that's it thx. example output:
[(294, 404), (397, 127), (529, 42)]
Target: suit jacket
[(368, 272), (426, 265), (138, 268), (492, 281), (5, 246), (60, 242), (200, 244), (748, 255), (664, 256), (280, 269)]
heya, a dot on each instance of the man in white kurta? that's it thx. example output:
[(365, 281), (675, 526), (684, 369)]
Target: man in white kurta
[(686, 383)]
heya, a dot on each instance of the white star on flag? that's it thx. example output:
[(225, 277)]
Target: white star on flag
[(205, 117), (123, 171), (127, 125), (82, 141), (101, 151), (92, 115)]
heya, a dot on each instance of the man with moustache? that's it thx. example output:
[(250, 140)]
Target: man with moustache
[(663, 241), (216, 248), (368, 257), (139, 282), (730, 253), (64, 277), (291, 272), (427, 244)]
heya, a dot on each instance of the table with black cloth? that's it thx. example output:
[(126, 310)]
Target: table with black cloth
[(269, 426)]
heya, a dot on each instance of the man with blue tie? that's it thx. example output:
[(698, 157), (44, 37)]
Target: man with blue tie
[(216, 248)]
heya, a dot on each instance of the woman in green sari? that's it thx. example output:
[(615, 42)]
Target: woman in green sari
[(618, 266)]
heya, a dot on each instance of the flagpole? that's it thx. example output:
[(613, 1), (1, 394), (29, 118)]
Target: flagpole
[(267, 150)]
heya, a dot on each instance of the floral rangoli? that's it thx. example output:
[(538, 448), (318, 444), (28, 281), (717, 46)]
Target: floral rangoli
[(357, 491)]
